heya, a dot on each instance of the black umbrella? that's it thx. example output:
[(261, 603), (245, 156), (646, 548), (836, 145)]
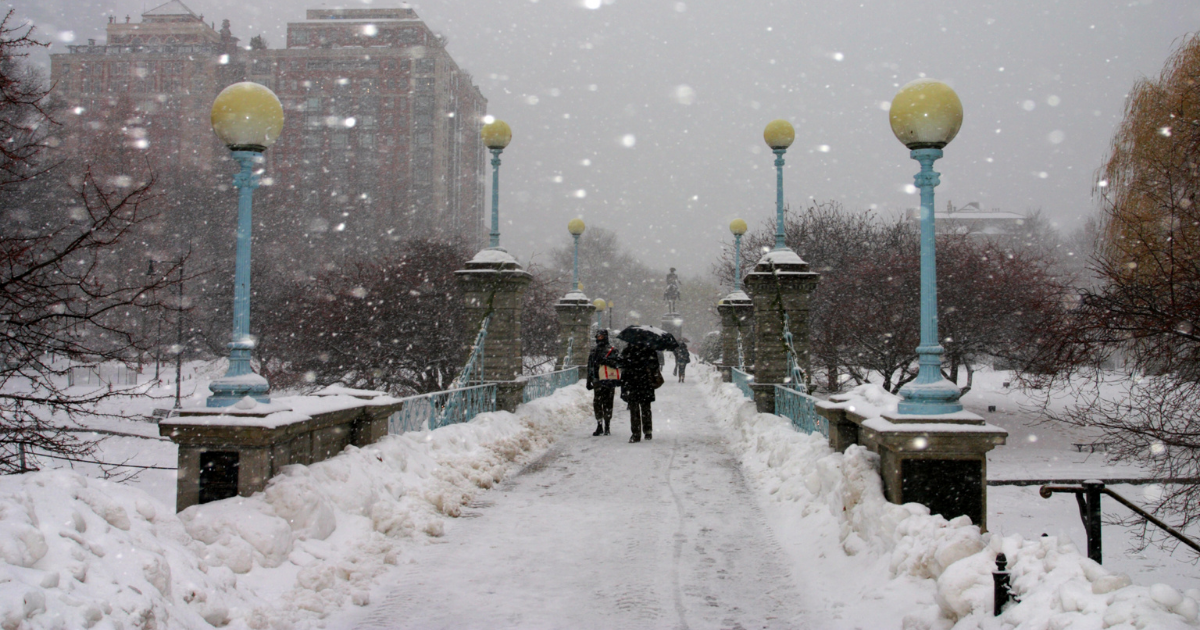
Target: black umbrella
[(654, 338)]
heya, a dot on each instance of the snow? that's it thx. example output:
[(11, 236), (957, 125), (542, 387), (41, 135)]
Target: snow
[(736, 296), (341, 390), (746, 511), (902, 564), (493, 256), (281, 411), (781, 257), (82, 552)]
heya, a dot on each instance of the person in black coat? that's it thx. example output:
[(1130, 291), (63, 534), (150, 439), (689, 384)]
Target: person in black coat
[(603, 388), (682, 359), (639, 369)]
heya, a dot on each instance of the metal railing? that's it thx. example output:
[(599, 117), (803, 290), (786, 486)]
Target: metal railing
[(742, 380), (472, 373), (741, 353), (436, 410), (801, 409), (1087, 495), (796, 376), (541, 385), (566, 362)]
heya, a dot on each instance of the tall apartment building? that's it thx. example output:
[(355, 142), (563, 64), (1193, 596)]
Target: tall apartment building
[(381, 139)]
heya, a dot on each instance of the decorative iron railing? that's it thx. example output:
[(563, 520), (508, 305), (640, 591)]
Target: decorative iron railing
[(801, 409), (566, 362), (741, 353), (796, 376), (436, 410), (743, 380), (472, 373), (541, 385)]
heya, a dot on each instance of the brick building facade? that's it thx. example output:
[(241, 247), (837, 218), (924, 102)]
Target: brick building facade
[(381, 139)]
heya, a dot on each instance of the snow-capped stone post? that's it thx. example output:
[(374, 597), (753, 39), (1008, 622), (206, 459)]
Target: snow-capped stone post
[(779, 287), (736, 311), (574, 313), (737, 323), (493, 285)]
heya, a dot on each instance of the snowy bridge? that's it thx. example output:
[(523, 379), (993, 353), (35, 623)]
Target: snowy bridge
[(600, 533)]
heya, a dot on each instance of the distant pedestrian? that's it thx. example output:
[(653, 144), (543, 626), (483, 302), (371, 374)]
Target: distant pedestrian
[(603, 378), (640, 376), (682, 359)]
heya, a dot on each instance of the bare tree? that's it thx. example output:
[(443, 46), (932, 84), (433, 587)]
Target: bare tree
[(63, 299), (864, 313), (1143, 312), (396, 324)]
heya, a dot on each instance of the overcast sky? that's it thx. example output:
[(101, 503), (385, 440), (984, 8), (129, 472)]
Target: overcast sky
[(646, 116)]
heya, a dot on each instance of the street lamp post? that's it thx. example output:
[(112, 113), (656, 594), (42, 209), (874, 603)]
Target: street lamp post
[(925, 116), (179, 339), (158, 334), (248, 118), (738, 228), (576, 227), (779, 135), (496, 136), (610, 314), (599, 305)]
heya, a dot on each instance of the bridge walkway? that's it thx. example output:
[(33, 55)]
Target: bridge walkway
[(601, 533)]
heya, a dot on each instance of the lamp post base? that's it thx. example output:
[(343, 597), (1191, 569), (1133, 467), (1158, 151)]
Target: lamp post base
[(936, 398), (228, 390), (239, 381)]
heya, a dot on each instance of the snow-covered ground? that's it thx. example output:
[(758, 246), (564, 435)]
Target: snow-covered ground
[(727, 516)]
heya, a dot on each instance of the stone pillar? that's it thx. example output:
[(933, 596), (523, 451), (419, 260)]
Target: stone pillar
[(493, 283), (576, 315), (737, 316), (673, 323), (780, 283)]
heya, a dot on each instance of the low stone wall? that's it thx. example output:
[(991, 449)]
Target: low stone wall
[(236, 453)]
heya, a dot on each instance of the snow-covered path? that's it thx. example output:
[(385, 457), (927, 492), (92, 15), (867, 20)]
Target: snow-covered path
[(600, 533)]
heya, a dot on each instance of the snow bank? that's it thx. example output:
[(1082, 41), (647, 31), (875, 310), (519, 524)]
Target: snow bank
[(85, 553), (839, 497)]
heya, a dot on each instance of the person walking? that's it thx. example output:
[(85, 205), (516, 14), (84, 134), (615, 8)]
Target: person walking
[(603, 378), (682, 359), (639, 377)]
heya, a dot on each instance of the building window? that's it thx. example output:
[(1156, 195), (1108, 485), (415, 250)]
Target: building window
[(367, 122), (366, 141), (300, 37), (426, 65), (340, 141), (312, 141), (423, 105), (425, 85)]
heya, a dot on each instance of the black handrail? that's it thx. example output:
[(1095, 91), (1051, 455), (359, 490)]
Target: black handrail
[(1088, 497)]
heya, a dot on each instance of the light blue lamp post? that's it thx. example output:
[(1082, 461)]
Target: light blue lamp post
[(738, 228), (599, 304), (925, 116), (496, 136), (248, 118), (575, 227), (779, 135)]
